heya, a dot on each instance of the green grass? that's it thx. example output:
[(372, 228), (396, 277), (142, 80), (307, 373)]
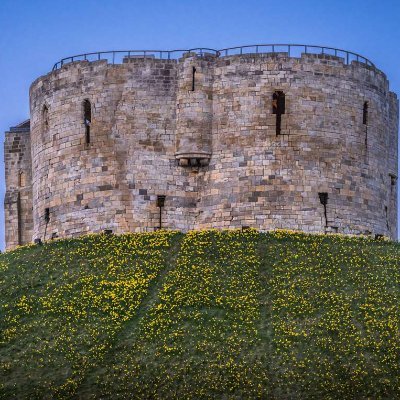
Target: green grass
[(209, 314)]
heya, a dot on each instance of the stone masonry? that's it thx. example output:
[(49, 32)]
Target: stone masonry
[(18, 198), (202, 131)]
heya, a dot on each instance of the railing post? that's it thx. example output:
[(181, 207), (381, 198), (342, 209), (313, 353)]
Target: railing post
[(347, 57)]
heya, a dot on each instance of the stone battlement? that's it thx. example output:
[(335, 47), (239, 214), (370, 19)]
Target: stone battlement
[(267, 140)]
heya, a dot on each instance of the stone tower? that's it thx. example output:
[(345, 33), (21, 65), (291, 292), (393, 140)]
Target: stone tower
[(236, 138)]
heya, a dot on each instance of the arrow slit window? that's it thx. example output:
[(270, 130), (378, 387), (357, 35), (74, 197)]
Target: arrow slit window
[(193, 78), (278, 108), (87, 119), (45, 118), (365, 113)]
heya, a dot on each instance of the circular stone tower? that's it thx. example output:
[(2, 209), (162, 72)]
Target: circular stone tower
[(233, 138)]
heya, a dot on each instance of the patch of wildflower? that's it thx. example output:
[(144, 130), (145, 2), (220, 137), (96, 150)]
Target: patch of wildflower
[(199, 339), (230, 314), (64, 304), (334, 311)]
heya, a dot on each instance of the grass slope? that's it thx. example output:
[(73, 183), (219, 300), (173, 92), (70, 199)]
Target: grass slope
[(209, 314)]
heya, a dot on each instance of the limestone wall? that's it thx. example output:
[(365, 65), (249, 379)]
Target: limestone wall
[(259, 179), (214, 151), (18, 197), (113, 182)]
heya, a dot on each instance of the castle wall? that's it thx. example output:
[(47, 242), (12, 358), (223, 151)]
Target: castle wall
[(146, 134), (215, 151), (113, 182), (18, 197), (260, 179)]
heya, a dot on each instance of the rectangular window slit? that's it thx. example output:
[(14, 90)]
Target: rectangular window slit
[(323, 198), (87, 119), (278, 108), (193, 78), (47, 220), (365, 113), (47, 215)]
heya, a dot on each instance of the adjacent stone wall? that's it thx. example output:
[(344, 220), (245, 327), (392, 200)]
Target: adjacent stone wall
[(18, 197), (213, 151), (392, 160)]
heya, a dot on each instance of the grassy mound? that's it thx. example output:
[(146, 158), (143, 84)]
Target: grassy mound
[(209, 314)]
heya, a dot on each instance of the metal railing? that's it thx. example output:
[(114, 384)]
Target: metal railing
[(117, 56), (292, 50), (296, 50)]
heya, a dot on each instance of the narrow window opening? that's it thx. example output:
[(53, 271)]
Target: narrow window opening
[(393, 180), (45, 118), (21, 179), (193, 78), (365, 113), (278, 108), (47, 215), (87, 119), (47, 220), (323, 198)]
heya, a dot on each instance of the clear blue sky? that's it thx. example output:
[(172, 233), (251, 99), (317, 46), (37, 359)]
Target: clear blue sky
[(35, 34)]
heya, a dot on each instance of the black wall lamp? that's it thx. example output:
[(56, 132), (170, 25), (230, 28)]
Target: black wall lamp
[(160, 205), (323, 198)]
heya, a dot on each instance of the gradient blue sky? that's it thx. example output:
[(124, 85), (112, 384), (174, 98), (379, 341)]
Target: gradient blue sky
[(35, 34)]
